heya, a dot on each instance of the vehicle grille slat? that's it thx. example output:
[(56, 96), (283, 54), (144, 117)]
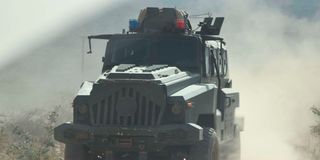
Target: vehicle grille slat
[(95, 110), (153, 114), (98, 113), (110, 110), (102, 112), (143, 111), (92, 116), (137, 113), (146, 115), (106, 111), (149, 113), (157, 114), (115, 114)]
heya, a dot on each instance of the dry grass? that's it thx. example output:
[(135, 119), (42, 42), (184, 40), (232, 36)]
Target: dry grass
[(310, 146), (29, 136), (315, 130)]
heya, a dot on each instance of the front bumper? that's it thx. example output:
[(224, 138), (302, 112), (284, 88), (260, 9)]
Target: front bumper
[(129, 137)]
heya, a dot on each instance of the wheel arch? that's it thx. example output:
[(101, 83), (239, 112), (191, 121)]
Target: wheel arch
[(207, 121)]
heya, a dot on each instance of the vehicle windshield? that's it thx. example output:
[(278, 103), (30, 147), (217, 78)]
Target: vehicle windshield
[(180, 52)]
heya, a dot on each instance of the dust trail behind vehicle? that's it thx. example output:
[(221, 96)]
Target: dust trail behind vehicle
[(274, 65)]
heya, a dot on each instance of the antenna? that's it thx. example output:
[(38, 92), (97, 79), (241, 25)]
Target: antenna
[(83, 38), (203, 15)]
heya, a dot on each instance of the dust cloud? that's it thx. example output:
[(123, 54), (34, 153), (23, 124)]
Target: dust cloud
[(274, 56), (274, 63), (275, 66)]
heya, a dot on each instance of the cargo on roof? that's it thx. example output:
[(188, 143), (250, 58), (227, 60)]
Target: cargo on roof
[(163, 20)]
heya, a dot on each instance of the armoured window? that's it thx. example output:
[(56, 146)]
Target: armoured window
[(130, 51), (208, 62), (213, 67), (222, 62), (225, 63), (218, 61), (177, 51)]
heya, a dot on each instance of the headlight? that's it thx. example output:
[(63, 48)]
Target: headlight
[(176, 109), (83, 109), (81, 113)]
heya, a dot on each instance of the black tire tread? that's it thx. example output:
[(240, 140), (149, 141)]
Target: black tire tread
[(75, 152), (203, 149)]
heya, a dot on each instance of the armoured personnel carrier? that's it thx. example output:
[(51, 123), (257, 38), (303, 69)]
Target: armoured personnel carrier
[(164, 93)]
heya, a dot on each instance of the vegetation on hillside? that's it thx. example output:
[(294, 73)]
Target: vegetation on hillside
[(310, 148), (315, 130), (29, 136)]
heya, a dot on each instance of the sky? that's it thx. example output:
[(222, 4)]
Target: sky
[(273, 48), (25, 24)]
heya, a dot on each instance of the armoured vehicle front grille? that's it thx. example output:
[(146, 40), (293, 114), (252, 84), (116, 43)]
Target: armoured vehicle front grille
[(126, 107)]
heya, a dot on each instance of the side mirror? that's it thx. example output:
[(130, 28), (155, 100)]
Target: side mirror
[(228, 101)]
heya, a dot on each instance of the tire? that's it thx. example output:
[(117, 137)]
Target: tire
[(235, 148), (208, 148), (231, 150), (75, 152)]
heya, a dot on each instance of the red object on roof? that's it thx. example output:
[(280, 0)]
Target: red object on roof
[(180, 24)]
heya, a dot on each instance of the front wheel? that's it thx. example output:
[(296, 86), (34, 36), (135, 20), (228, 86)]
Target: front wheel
[(231, 150), (208, 148), (76, 152)]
